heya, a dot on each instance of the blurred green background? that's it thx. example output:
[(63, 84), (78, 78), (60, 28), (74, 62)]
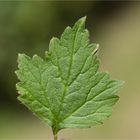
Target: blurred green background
[(27, 27)]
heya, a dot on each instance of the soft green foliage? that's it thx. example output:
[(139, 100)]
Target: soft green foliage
[(65, 89)]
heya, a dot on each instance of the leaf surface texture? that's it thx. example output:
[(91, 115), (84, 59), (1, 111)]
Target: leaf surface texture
[(65, 89)]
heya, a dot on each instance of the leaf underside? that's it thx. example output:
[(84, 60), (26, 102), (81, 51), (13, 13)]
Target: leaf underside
[(65, 89)]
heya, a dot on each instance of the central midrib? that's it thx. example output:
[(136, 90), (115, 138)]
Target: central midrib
[(69, 71)]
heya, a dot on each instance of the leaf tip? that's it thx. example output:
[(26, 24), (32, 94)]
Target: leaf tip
[(121, 83), (83, 19), (20, 55), (80, 23), (96, 49)]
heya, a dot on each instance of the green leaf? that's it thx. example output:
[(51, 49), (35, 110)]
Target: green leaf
[(65, 89)]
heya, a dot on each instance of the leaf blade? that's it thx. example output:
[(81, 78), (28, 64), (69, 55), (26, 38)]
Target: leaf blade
[(65, 89)]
